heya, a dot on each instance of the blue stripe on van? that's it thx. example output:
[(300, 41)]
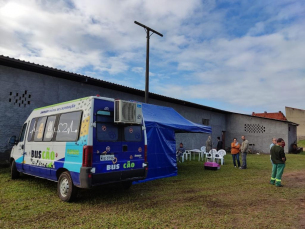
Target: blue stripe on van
[(45, 172)]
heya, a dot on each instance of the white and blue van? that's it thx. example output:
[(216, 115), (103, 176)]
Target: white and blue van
[(82, 143)]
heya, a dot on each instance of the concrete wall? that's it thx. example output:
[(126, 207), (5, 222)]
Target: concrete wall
[(42, 90), (38, 90), (195, 141), (297, 116), (258, 131)]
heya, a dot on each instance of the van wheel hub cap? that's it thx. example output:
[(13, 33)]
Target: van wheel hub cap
[(64, 187)]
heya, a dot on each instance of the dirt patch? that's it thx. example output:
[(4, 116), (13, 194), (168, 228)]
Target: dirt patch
[(297, 180), (302, 213), (301, 203), (294, 180)]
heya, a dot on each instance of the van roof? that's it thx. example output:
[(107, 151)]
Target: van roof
[(75, 100)]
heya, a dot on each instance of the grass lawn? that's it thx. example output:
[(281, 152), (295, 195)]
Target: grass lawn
[(196, 198), (301, 143)]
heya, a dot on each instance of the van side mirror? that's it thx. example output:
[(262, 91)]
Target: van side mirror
[(12, 141)]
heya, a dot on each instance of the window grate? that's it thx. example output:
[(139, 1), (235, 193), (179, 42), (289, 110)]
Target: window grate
[(19, 99), (254, 128)]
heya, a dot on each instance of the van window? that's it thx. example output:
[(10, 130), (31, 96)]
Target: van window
[(49, 130), (32, 129), (107, 132), (39, 129), (21, 137), (68, 127), (133, 133), (104, 113), (103, 116)]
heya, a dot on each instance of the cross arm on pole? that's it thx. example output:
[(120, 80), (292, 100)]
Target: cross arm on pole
[(149, 29)]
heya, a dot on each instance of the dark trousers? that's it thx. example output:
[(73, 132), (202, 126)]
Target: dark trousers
[(236, 157), (244, 160)]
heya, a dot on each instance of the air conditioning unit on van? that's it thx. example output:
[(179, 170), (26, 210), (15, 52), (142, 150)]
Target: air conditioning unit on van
[(127, 112)]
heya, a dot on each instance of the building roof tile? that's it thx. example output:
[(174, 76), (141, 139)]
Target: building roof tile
[(277, 115)]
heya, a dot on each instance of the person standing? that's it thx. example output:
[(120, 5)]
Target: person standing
[(219, 144), (283, 145), (274, 140), (208, 144), (244, 150), (278, 158), (272, 144), (180, 152), (235, 147)]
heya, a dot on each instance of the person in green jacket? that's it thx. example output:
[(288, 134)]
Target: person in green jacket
[(278, 158)]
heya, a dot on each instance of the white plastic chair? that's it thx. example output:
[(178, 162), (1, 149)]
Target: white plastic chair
[(183, 157), (213, 152), (218, 157), (210, 155), (203, 152), (186, 153), (222, 152)]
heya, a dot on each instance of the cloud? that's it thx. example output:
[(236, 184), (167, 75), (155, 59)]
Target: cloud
[(139, 70), (238, 55), (247, 72)]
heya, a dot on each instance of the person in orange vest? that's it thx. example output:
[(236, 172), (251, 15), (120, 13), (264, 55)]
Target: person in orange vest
[(235, 148)]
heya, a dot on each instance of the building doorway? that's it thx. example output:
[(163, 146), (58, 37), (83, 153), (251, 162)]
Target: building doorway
[(223, 139)]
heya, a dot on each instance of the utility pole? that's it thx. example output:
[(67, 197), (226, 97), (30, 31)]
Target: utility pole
[(148, 30)]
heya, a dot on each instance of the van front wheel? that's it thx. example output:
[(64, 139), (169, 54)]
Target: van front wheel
[(65, 188), (14, 172)]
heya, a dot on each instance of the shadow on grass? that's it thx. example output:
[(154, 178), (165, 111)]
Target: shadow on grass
[(104, 193)]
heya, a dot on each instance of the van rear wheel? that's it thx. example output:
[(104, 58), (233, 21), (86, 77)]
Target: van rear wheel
[(14, 172), (65, 189)]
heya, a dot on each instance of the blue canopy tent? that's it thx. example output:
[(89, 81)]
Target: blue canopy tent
[(161, 125)]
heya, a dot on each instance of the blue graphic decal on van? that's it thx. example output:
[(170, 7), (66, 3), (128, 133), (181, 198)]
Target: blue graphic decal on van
[(19, 160), (59, 163), (73, 157)]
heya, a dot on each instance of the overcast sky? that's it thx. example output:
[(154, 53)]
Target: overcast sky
[(240, 56)]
